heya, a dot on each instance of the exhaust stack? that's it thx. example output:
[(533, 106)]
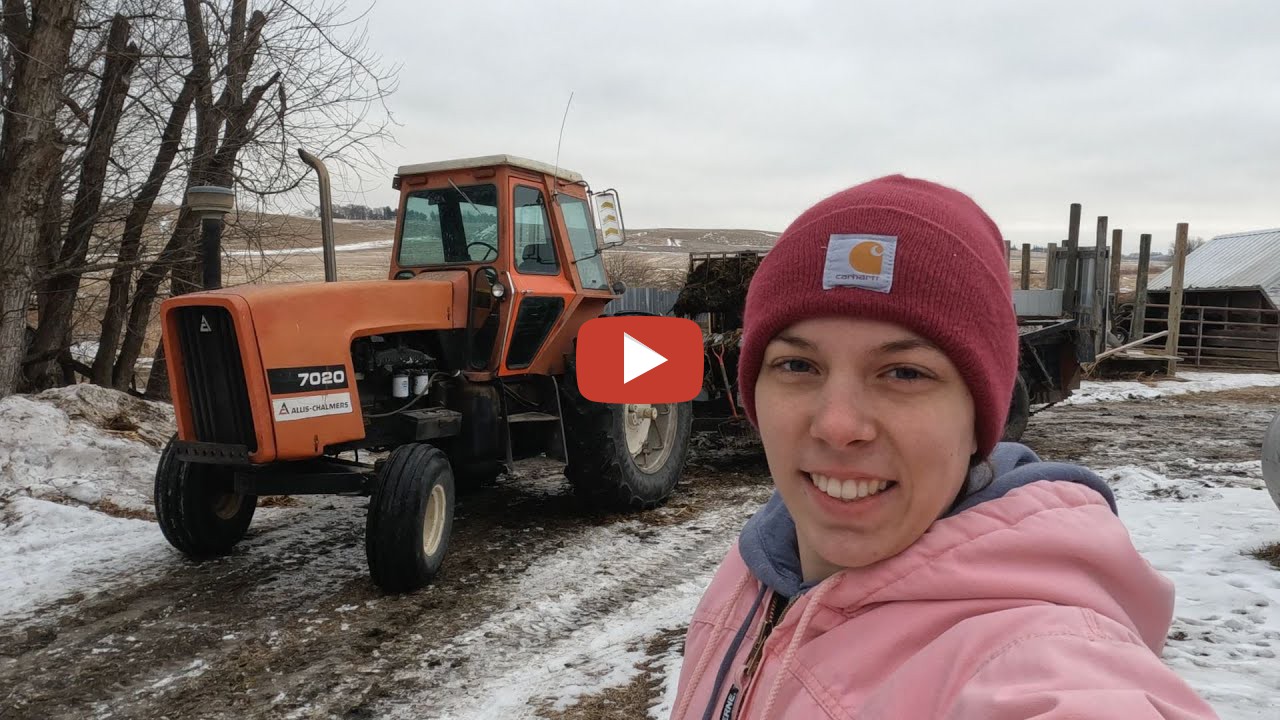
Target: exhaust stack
[(326, 215)]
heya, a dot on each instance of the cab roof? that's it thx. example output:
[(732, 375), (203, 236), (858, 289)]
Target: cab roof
[(487, 161)]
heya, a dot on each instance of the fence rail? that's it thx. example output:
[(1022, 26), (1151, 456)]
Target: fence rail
[(644, 299)]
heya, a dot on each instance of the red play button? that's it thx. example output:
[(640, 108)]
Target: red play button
[(640, 359)]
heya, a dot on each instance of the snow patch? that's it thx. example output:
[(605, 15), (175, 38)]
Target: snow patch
[(82, 444), (350, 247), (50, 551), (1092, 391)]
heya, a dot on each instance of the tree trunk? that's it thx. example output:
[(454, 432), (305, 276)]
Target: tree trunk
[(143, 298), (64, 285), (28, 152), (131, 242)]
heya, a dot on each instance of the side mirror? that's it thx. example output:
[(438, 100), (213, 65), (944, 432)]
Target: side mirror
[(609, 213)]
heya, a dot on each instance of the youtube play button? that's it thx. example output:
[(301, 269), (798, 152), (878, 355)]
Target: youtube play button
[(640, 359)]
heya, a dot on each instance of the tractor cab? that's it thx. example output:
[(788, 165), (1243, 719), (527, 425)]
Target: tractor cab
[(523, 232)]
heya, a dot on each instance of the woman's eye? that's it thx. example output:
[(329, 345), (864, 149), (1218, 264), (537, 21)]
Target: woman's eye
[(906, 373), (793, 366)]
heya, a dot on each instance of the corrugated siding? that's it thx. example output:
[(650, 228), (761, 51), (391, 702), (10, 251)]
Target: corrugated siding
[(644, 299), (1242, 260)]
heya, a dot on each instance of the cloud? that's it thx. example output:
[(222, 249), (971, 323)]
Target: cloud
[(742, 114)]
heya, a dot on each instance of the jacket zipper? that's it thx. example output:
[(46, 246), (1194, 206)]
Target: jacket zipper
[(757, 650)]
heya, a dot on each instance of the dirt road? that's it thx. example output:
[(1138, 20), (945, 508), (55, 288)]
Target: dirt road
[(534, 597)]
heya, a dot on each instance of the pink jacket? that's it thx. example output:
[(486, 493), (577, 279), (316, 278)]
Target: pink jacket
[(1033, 604)]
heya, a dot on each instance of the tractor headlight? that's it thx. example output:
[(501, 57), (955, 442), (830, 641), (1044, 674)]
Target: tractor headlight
[(499, 290)]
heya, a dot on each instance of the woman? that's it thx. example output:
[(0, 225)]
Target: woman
[(909, 566)]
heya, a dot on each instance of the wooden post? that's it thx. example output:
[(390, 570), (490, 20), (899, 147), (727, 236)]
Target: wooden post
[(1175, 296), (1099, 289), (1138, 327), (1069, 303), (1051, 267), (1008, 254), (1117, 253), (1026, 266)]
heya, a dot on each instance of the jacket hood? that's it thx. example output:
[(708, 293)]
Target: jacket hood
[(1038, 532)]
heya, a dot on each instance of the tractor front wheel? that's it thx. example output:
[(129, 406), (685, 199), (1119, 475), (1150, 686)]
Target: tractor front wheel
[(624, 457), (197, 507), (410, 518)]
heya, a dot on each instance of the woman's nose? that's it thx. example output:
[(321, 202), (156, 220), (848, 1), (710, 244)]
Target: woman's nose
[(843, 417)]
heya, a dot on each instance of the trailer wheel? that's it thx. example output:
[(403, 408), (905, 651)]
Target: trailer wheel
[(1019, 412), (623, 457), (197, 507), (410, 518)]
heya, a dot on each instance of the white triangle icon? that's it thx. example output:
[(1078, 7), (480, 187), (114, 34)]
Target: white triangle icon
[(637, 358), (204, 325)]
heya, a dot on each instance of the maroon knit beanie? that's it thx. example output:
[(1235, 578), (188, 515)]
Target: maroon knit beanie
[(904, 251)]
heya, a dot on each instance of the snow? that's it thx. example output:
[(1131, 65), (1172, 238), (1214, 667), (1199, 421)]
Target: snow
[(82, 444), (350, 247), (1228, 602), (50, 551), (65, 452), (62, 453), (1092, 391)]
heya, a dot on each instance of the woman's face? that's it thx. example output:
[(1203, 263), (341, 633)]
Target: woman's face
[(868, 429)]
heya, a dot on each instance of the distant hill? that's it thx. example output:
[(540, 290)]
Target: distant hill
[(690, 240)]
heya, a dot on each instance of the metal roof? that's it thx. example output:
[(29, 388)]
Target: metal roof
[(1242, 260), (488, 160)]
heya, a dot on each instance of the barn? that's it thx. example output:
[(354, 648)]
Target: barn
[(1230, 305)]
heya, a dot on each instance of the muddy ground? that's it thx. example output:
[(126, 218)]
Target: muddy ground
[(290, 626)]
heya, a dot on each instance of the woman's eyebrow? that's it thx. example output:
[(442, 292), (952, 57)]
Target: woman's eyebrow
[(905, 344), (794, 341)]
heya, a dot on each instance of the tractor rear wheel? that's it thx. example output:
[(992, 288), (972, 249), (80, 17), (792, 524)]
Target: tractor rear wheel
[(197, 507), (623, 457), (1019, 412), (410, 518)]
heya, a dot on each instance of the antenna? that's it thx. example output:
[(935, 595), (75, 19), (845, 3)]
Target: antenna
[(555, 178)]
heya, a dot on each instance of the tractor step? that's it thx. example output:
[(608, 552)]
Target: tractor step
[(531, 417)]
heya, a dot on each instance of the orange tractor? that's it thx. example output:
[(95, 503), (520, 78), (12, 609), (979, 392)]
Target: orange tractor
[(456, 366)]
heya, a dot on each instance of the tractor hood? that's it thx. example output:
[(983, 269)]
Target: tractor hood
[(289, 328), (298, 312), (308, 324)]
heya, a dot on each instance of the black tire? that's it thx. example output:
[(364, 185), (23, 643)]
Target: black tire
[(197, 508), (600, 467), (400, 557), (1019, 412)]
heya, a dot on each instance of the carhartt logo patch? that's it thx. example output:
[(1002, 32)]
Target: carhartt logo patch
[(860, 261)]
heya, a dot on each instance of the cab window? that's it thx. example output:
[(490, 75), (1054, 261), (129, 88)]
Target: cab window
[(582, 236), (534, 245), (450, 225)]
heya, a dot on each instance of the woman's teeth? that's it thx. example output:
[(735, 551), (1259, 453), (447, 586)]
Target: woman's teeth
[(848, 489)]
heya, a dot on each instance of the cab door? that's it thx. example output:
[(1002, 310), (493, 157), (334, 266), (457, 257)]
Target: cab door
[(541, 290)]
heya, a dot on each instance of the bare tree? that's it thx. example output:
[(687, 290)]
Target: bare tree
[(62, 285), (637, 269), (208, 92), (38, 42)]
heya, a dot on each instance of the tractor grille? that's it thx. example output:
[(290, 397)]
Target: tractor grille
[(215, 377)]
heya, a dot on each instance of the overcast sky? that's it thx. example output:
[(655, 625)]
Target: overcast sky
[(742, 114)]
